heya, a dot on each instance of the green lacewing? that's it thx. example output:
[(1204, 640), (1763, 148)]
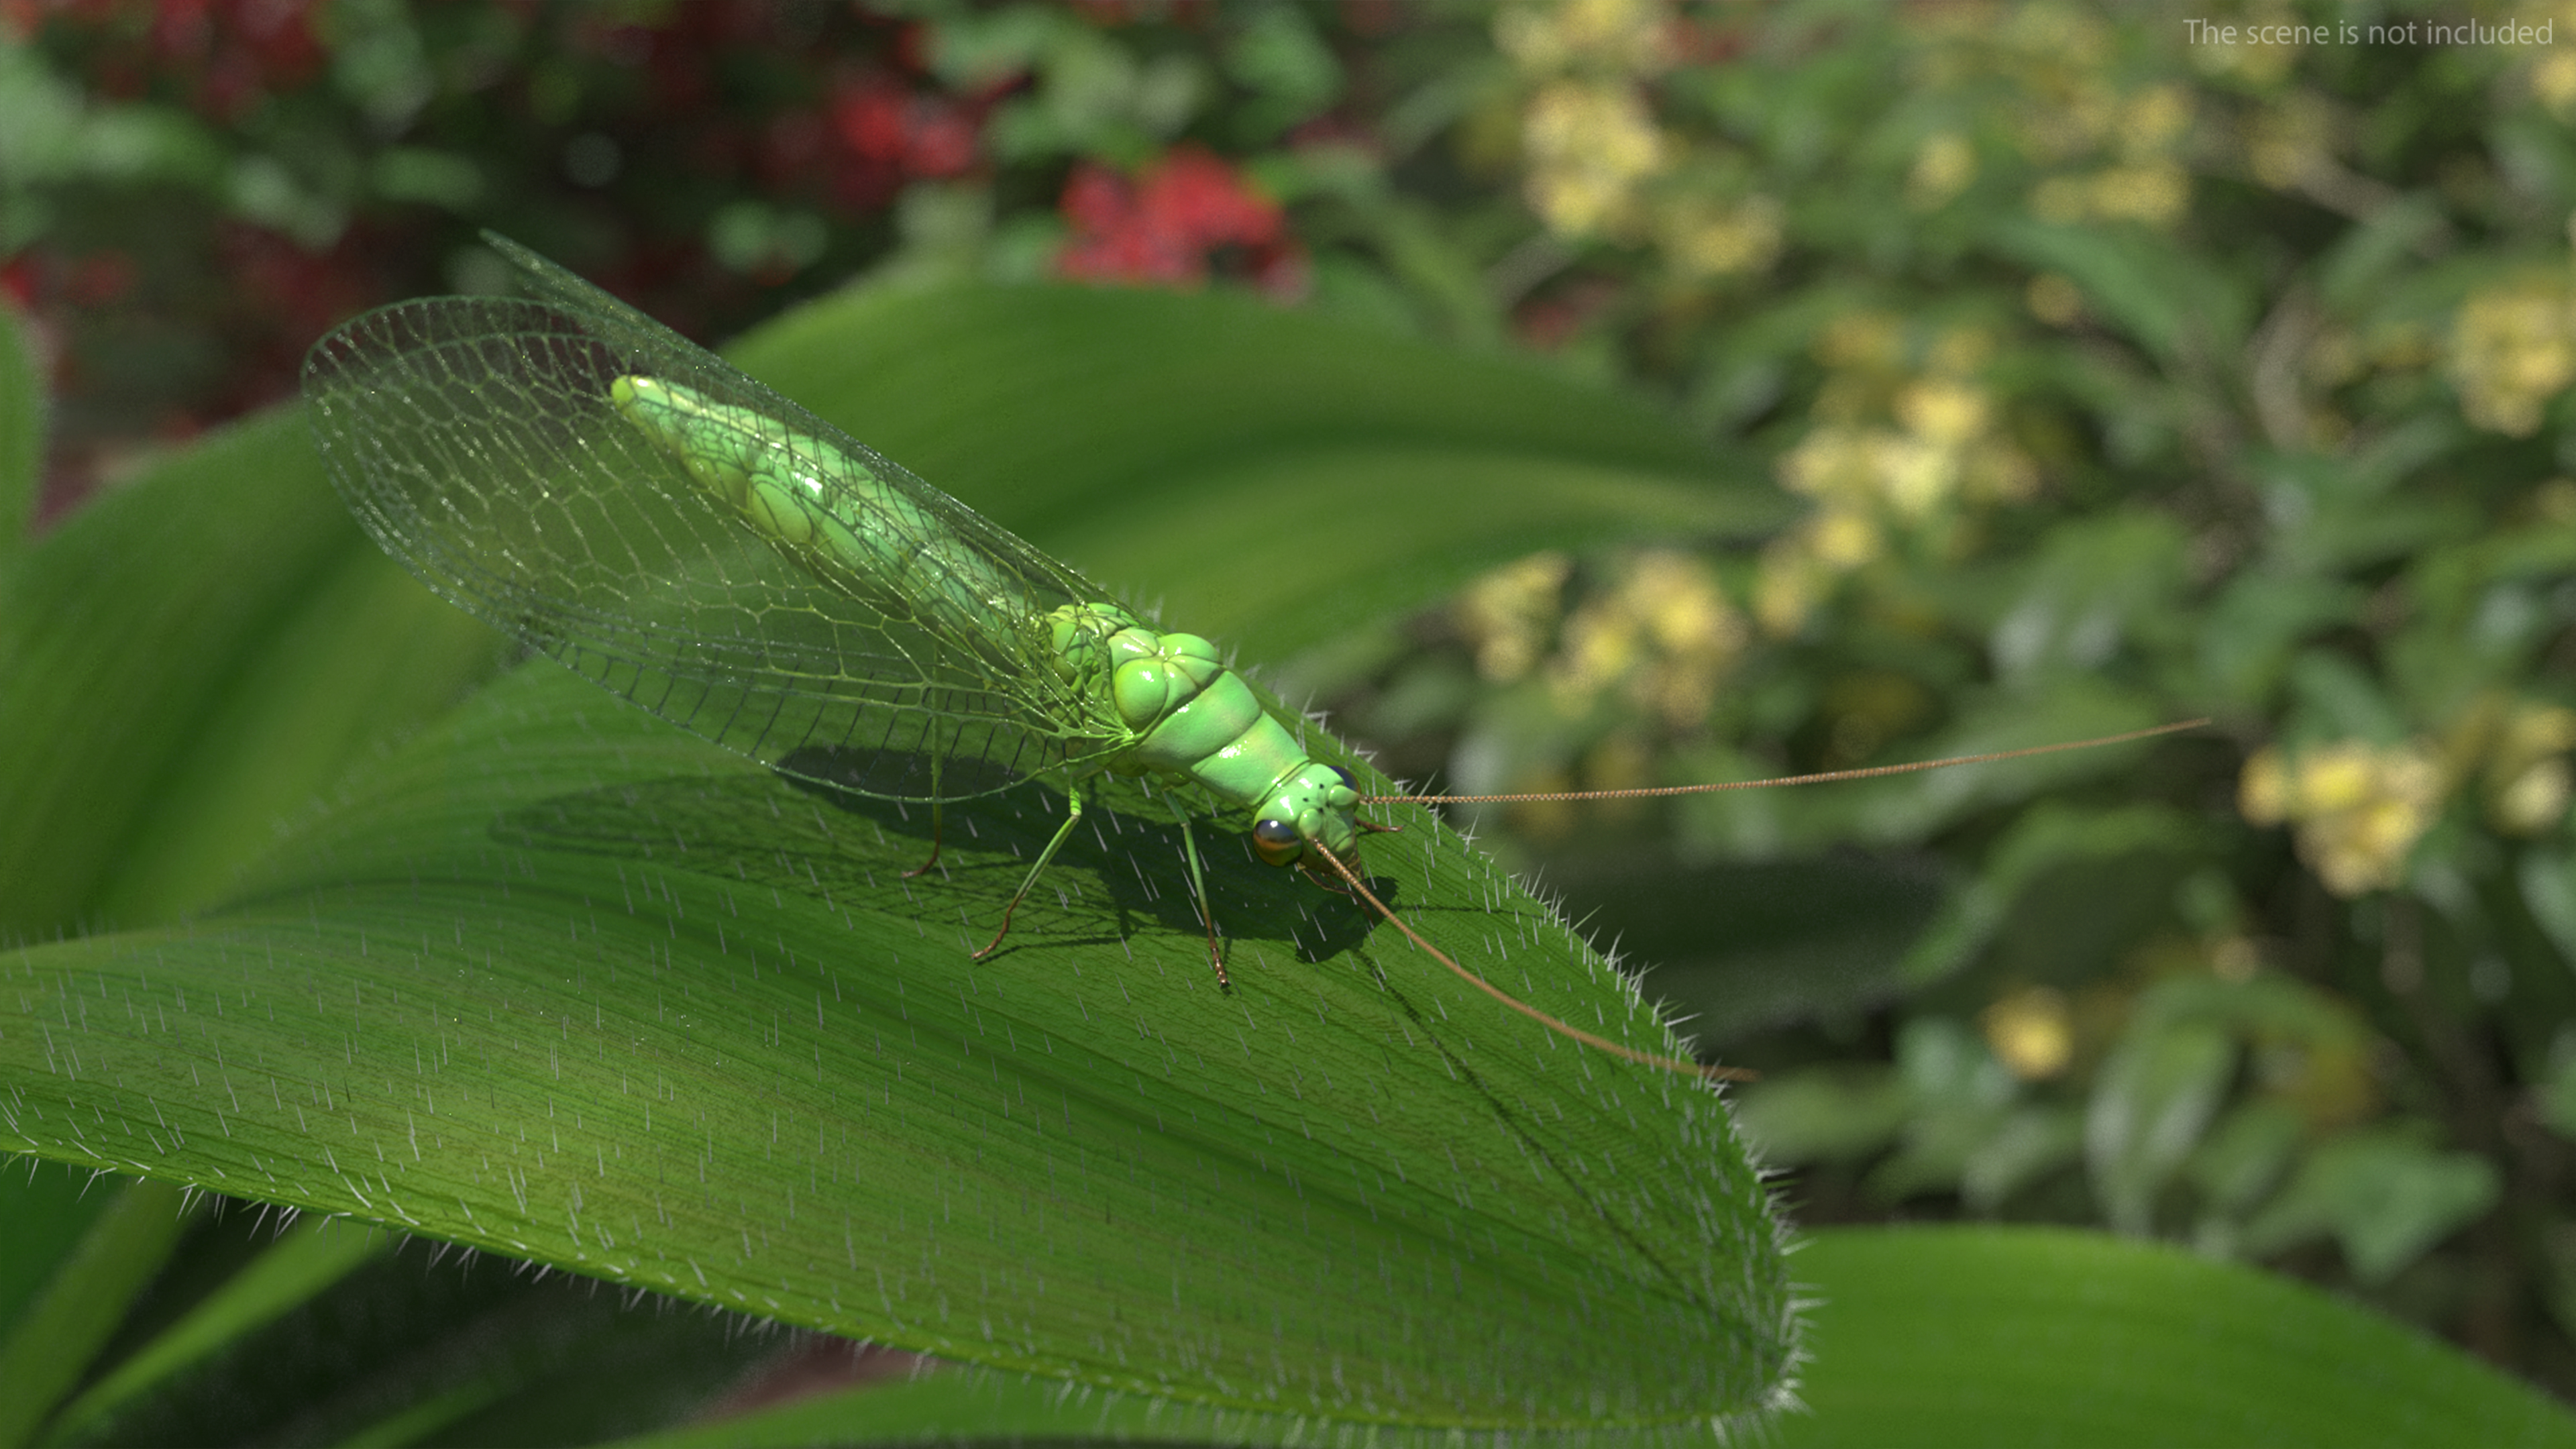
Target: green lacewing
[(618, 498)]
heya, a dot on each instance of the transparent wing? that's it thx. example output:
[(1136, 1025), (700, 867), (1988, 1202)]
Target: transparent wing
[(474, 440)]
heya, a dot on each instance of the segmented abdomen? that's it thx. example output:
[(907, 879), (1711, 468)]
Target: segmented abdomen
[(825, 507)]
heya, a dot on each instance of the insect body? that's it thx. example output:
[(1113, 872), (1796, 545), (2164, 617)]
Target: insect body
[(585, 479), (1181, 713)]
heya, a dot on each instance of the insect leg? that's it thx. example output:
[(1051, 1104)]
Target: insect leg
[(1198, 888), (1307, 868), (1073, 817), (937, 818)]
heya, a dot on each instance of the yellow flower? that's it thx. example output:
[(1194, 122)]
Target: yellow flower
[(1914, 476), (2291, 142), (1943, 166), (1789, 586), (1625, 35), (2529, 782), (2553, 83), (1600, 646), (2259, 64), (1875, 480), (2359, 807), (2054, 299), (2538, 729), (1682, 606), (1667, 630), (2069, 33), (1588, 147), (1693, 627), (1832, 464), (2263, 791), (2032, 1032), (2534, 799), (2336, 779), (1508, 614), (1843, 539), (1682, 690), (1857, 341), (1943, 413), (2156, 194), (2513, 348), (1855, 471), (2156, 118), (1708, 240)]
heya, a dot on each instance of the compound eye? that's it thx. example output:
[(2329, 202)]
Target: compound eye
[(1345, 775), (1276, 842)]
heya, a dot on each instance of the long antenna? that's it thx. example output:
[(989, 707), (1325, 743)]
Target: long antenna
[(1670, 1064), (1674, 1064), (1871, 773)]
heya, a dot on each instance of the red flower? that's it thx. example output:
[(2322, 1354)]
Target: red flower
[(938, 141), (1188, 209), (869, 119), (18, 281), (1097, 199), (231, 53), (182, 30), (1194, 196), (281, 35), (917, 135)]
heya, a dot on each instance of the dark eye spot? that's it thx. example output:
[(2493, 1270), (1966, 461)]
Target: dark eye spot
[(1276, 842)]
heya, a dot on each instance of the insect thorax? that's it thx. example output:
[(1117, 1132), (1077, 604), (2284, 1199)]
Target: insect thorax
[(1190, 716)]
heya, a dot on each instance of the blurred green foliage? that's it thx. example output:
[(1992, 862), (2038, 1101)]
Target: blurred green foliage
[(2126, 373), (2127, 378)]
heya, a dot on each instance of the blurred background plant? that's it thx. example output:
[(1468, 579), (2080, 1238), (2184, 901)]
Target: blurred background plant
[(2126, 375)]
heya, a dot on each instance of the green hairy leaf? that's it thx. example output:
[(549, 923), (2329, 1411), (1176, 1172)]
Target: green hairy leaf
[(547, 976)]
